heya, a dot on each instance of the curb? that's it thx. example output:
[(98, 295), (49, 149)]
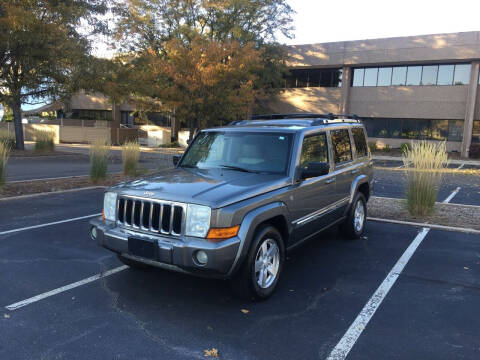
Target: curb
[(425, 225), (51, 193)]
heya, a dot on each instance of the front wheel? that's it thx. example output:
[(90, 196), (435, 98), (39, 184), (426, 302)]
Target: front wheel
[(354, 224), (258, 277)]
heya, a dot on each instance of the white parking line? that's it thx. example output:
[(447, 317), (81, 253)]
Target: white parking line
[(48, 224), (346, 343), (450, 197), (47, 294), (461, 166)]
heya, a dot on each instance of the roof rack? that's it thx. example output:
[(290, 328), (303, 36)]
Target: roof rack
[(318, 119)]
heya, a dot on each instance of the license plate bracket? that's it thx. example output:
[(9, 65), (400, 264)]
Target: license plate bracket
[(143, 248)]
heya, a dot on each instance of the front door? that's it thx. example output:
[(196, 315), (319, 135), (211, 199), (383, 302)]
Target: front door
[(311, 197)]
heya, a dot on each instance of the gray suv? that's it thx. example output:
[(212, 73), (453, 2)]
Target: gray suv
[(240, 197)]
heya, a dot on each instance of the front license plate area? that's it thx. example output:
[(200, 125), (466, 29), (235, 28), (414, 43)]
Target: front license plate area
[(142, 248)]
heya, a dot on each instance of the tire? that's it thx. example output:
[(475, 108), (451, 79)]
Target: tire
[(132, 263), (247, 283), (350, 227)]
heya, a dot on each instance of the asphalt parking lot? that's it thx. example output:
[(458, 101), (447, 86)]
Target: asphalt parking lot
[(400, 292)]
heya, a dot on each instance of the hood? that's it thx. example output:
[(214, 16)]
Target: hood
[(213, 187)]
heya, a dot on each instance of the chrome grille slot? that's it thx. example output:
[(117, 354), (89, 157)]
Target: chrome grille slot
[(150, 215)]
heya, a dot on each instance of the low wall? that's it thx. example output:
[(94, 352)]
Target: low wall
[(183, 136), (29, 130), (396, 143), (156, 135), (79, 134)]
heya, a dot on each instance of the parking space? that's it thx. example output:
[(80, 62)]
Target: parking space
[(159, 314), (392, 183)]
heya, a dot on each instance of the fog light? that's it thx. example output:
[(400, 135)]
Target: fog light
[(93, 233), (201, 257)]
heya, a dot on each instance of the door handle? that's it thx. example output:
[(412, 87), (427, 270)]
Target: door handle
[(354, 171), (329, 181)]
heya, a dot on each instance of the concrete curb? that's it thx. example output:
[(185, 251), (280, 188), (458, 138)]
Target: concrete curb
[(453, 161), (51, 193), (425, 225)]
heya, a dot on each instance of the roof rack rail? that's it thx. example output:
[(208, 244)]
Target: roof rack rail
[(318, 119)]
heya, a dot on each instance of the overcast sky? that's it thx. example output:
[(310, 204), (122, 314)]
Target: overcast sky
[(329, 20)]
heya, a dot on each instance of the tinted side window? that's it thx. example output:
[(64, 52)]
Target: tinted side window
[(360, 142), (342, 150), (314, 149)]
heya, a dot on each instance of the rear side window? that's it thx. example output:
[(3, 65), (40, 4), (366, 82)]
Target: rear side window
[(360, 142), (314, 149), (342, 150)]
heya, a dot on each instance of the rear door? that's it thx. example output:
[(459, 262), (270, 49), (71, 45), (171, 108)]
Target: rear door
[(311, 196)]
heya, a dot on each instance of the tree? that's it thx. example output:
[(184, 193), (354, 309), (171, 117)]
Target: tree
[(43, 44), (207, 59)]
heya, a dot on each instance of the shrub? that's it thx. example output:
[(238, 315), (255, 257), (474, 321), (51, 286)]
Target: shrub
[(387, 148), (44, 140), (173, 144), (130, 156), (7, 139), (424, 164), (372, 146), (4, 150), (99, 153), (405, 148)]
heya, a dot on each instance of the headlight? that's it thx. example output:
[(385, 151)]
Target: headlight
[(198, 220), (109, 205)]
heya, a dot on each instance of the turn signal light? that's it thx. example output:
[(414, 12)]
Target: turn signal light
[(219, 234)]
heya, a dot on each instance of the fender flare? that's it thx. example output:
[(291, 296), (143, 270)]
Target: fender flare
[(249, 224), (359, 180)]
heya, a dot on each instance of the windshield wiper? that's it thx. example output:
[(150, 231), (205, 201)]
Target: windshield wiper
[(237, 168)]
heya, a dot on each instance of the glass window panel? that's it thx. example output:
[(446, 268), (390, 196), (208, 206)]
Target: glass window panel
[(314, 149), (409, 129), (384, 76), (326, 78), (370, 77), (476, 132), (290, 80), (337, 78), (378, 128), (314, 78), (439, 129), (414, 73), (445, 74), (395, 128), (369, 125), (455, 130), (358, 77), (462, 74), (429, 75), (302, 78), (342, 150), (399, 75), (423, 129), (360, 142)]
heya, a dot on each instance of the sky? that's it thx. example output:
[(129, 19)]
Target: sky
[(332, 20)]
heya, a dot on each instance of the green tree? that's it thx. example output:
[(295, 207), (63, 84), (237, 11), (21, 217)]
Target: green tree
[(208, 60), (44, 45)]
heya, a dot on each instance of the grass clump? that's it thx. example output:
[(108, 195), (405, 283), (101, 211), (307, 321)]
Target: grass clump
[(173, 144), (424, 165), (405, 148), (387, 148), (372, 146), (44, 140), (99, 154), (4, 150), (7, 139), (130, 156)]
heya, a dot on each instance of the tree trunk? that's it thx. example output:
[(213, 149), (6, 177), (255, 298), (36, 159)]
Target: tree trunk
[(17, 120)]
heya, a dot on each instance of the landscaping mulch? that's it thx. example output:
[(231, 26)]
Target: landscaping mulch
[(32, 153), (43, 186), (444, 214)]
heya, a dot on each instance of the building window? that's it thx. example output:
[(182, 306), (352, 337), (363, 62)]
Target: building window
[(82, 114), (449, 74), (445, 74), (302, 78), (414, 74), (462, 74), (370, 77), (429, 75), (415, 129), (384, 76), (476, 132), (399, 75)]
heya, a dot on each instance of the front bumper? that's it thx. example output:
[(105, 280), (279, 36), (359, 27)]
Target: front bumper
[(172, 253)]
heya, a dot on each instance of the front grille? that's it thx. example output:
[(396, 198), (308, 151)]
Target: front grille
[(151, 215)]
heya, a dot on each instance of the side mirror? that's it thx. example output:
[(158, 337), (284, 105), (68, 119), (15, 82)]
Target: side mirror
[(176, 159), (315, 169)]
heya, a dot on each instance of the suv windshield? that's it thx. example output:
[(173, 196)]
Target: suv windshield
[(240, 151)]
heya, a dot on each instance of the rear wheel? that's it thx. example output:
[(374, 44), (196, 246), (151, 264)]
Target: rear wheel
[(354, 224), (259, 275)]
